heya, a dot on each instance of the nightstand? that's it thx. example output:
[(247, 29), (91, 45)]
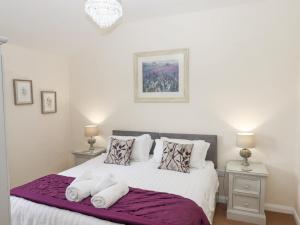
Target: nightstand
[(246, 195), (83, 156)]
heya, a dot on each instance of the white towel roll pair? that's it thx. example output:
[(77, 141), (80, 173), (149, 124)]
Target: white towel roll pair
[(109, 196), (86, 185)]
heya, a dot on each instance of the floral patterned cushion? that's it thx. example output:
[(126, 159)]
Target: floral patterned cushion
[(119, 152), (176, 157)]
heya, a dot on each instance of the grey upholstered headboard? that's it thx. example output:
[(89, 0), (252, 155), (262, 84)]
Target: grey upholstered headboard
[(212, 154)]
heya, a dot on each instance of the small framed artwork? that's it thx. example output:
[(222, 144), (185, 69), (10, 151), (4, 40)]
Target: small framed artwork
[(49, 104), (23, 93), (161, 76)]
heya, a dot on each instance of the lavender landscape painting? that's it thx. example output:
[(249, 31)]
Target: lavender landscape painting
[(161, 76)]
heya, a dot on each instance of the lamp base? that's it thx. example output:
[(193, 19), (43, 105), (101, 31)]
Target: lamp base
[(92, 151), (246, 168), (245, 162), (91, 142), (245, 154)]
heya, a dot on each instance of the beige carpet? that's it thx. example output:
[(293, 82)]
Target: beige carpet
[(272, 218)]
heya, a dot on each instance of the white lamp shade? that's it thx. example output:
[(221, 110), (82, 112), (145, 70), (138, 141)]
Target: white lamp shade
[(91, 131), (245, 140)]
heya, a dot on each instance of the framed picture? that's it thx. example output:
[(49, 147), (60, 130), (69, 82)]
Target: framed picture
[(49, 104), (161, 76), (23, 93)]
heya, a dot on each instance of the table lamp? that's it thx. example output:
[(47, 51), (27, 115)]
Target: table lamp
[(91, 131), (245, 141)]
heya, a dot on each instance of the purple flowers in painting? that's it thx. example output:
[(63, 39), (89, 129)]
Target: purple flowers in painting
[(161, 76)]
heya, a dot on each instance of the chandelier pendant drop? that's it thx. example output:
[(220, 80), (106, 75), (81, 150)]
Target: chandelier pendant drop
[(104, 12)]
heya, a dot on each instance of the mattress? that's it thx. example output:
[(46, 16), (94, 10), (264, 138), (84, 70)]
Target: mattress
[(200, 185)]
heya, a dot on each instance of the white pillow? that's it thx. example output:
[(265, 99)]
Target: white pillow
[(198, 154), (141, 146), (158, 150)]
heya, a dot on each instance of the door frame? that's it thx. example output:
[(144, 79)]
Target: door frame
[(4, 188)]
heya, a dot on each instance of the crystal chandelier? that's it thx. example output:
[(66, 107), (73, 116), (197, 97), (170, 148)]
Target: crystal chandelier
[(104, 12)]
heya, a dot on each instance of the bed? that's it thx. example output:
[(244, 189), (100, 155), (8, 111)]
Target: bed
[(200, 185)]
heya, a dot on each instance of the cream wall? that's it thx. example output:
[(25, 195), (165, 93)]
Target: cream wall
[(243, 77), (37, 144)]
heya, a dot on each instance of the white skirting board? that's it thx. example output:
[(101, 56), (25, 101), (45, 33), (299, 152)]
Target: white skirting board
[(272, 208), (279, 208)]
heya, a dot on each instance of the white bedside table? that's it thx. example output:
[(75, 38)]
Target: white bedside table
[(83, 156), (246, 196)]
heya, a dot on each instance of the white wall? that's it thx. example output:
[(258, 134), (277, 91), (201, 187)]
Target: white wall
[(242, 77), (37, 144)]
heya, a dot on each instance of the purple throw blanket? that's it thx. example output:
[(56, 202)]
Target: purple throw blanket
[(138, 207)]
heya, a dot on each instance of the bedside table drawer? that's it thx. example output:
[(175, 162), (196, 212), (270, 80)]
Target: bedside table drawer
[(245, 203), (246, 184)]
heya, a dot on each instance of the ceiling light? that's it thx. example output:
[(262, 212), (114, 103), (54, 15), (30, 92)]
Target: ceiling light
[(104, 12)]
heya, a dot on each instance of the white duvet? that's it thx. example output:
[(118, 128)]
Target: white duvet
[(200, 185)]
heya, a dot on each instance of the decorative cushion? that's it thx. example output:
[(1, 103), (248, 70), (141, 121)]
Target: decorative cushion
[(119, 152), (198, 156), (199, 152), (176, 157), (141, 147)]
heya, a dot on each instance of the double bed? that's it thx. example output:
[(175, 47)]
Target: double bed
[(200, 185)]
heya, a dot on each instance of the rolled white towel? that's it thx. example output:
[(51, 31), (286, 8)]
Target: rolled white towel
[(103, 183), (80, 188), (110, 196), (87, 175)]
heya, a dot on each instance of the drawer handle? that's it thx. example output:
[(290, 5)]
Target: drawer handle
[(247, 186), (246, 204)]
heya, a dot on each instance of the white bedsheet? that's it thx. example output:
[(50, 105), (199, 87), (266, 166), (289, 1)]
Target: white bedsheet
[(200, 186)]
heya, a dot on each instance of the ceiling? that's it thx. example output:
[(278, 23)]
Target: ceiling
[(61, 25)]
